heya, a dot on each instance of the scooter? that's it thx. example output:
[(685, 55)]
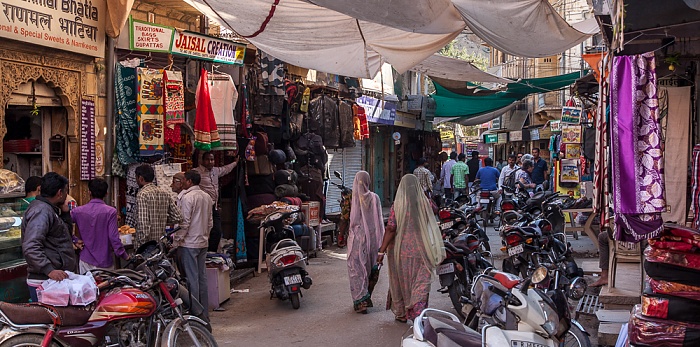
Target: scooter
[(286, 263)]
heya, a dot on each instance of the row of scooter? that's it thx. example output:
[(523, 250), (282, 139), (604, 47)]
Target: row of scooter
[(532, 311)]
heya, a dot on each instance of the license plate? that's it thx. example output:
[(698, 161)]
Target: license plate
[(515, 250), (446, 225), (445, 269), (515, 343), (293, 279), (484, 201)]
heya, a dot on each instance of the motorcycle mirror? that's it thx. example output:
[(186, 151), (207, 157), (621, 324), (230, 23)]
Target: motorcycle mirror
[(337, 174), (539, 275)]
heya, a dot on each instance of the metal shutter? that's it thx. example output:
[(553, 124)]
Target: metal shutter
[(348, 161)]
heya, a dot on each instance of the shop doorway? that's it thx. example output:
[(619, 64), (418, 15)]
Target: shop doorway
[(36, 122)]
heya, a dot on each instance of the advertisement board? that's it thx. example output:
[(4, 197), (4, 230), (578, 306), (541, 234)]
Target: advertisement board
[(204, 47)]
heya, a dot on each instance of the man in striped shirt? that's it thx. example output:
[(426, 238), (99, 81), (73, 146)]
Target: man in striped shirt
[(425, 177), (155, 209)]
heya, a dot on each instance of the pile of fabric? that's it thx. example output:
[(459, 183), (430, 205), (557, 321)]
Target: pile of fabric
[(668, 313), (257, 214)]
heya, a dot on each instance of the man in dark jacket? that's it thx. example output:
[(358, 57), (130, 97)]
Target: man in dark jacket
[(47, 242)]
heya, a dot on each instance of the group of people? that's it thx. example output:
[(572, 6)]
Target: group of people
[(411, 242), (50, 246)]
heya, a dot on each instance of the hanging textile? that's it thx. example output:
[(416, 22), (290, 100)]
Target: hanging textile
[(174, 98), (150, 111), (206, 134), (241, 250), (246, 122), (127, 125), (600, 164), (270, 74), (675, 110), (224, 97), (360, 123), (132, 187), (696, 186), (172, 135), (637, 158)]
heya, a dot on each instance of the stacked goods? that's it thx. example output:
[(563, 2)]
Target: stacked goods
[(125, 234), (668, 314)]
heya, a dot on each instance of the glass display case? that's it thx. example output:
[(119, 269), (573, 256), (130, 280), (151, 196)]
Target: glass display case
[(12, 207)]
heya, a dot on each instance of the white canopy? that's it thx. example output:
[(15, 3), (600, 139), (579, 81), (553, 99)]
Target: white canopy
[(455, 70), (314, 37), (527, 28)]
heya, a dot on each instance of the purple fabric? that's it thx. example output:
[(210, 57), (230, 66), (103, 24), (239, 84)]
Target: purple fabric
[(637, 158), (97, 224)]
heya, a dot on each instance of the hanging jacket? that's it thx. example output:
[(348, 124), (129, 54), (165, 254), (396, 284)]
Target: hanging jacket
[(324, 110)]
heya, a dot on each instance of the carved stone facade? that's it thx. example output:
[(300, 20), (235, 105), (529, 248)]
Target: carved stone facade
[(69, 75)]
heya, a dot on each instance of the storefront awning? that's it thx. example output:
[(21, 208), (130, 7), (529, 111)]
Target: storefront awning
[(310, 36), (451, 69)]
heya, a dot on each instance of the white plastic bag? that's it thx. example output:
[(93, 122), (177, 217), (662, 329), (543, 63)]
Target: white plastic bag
[(54, 293), (78, 290), (83, 289)]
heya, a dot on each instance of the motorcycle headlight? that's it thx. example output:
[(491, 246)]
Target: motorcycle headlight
[(577, 288), (551, 318)]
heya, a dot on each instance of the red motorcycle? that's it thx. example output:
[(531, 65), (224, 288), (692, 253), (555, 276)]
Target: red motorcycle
[(135, 308)]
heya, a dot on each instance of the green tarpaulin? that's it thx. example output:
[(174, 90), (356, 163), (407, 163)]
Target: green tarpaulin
[(451, 104)]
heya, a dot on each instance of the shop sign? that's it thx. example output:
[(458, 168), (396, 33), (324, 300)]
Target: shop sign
[(375, 112), (428, 109), (406, 120), (87, 145), (545, 133), (516, 136), (496, 123), (414, 104), (447, 134), (69, 25), (388, 115), (555, 125), (502, 137), (534, 134), (571, 115), (491, 138), (150, 37), (204, 47)]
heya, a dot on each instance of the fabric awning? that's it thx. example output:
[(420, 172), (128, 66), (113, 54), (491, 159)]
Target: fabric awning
[(315, 37), (450, 104), (447, 68)]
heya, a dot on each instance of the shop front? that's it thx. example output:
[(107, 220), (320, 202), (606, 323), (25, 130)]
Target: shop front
[(52, 114)]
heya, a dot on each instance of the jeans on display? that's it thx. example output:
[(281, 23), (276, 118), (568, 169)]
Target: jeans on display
[(215, 234)]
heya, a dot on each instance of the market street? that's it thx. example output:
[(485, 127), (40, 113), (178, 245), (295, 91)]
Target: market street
[(326, 316)]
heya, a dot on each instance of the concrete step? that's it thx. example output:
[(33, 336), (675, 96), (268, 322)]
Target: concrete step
[(608, 333), (613, 316), (590, 267), (619, 296)]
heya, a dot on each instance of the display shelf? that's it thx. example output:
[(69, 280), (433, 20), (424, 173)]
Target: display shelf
[(25, 153), (12, 195)]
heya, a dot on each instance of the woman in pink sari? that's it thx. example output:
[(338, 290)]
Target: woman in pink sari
[(364, 237), (414, 246)]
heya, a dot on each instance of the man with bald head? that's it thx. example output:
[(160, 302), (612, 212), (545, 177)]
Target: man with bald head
[(178, 185)]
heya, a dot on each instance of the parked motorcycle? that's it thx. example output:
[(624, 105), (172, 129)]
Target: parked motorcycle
[(457, 219), (135, 308), (343, 221), (463, 262), (512, 314), (286, 263)]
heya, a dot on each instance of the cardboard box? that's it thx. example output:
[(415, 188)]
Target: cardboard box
[(312, 211), (218, 286)]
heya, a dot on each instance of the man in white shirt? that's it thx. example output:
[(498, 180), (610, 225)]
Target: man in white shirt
[(192, 238), (446, 175), (507, 170)]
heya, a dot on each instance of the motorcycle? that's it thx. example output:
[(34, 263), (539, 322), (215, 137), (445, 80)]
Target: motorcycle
[(512, 314), (135, 308), (463, 262), (456, 219), (286, 263), (343, 221)]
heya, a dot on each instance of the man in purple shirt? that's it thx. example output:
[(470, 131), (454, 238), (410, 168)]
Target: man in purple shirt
[(97, 227)]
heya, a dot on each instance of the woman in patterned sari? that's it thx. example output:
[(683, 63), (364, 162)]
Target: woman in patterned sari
[(364, 237), (413, 244)]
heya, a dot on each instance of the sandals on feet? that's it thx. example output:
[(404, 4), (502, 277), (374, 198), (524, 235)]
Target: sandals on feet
[(400, 319)]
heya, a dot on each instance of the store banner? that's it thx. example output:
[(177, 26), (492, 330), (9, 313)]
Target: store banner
[(555, 125), (502, 138), (516, 136), (375, 110), (406, 120), (204, 47), (150, 37), (69, 25), (534, 134), (571, 115), (491, 138), (87, 143)]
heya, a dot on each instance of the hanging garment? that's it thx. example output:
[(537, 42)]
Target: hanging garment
[(696, 186), (676, 107), (345, 122), (270, 71), (246, 122), (637, 158), (241, 251), (127, 127), (174, 98), (132, 187), (360, 121), (324, 111), (172, 135), (224, 97), (206, 134), (150, 111)]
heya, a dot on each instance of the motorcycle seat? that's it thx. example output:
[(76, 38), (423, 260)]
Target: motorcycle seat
[(439, 331), (37, 313), (507, 280)]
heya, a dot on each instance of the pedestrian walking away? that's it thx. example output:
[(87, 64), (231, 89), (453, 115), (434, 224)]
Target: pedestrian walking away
[(413, 245), (425, 177), (364, 238), (96, 224), (446, 176), (210, 184), (192, 238), (460, 176), (155, 209)]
